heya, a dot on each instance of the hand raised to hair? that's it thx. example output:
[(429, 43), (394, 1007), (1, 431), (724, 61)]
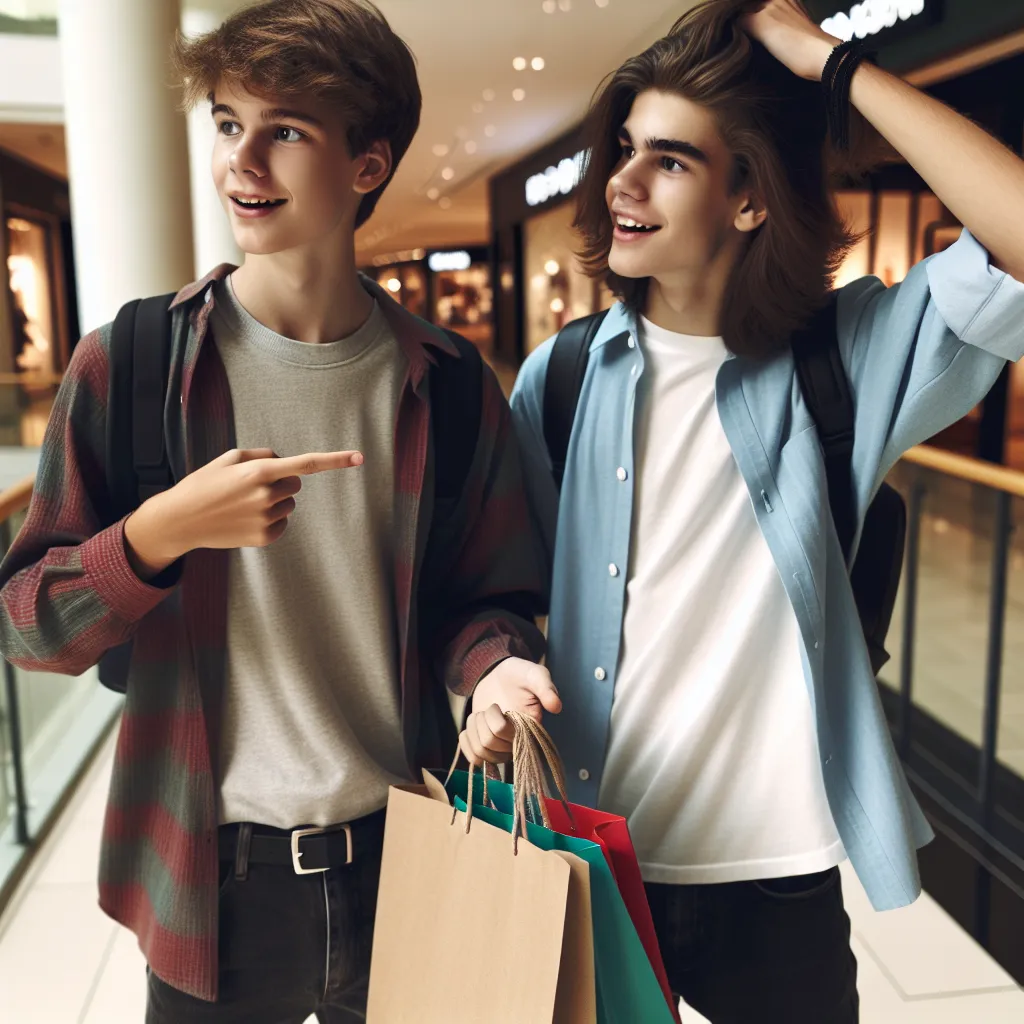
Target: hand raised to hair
[(787, 32)]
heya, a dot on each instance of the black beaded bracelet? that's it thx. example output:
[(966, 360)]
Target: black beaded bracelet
[(836, 78)]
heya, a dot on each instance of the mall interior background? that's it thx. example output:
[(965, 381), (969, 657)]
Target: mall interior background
[(476, 234)]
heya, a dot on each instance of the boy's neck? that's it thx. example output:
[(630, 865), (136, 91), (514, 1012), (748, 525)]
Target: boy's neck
[(303, 296), (684, 307)]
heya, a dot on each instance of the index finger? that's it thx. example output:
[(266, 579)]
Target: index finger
[(312, 462)]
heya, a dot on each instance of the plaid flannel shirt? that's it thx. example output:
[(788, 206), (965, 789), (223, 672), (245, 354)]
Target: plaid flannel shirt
[(69, 594)]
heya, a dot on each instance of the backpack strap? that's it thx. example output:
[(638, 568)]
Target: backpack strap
[(140, 350), (456, 403), (826, 390), (567, 366)]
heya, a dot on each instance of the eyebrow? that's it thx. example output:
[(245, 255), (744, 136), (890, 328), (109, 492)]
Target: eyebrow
[(674, 146), (274, 114)]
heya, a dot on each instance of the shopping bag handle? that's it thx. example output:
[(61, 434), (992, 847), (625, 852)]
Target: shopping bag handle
[(534, 757)]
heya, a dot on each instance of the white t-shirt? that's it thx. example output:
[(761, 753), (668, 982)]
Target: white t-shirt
[(712, 754)]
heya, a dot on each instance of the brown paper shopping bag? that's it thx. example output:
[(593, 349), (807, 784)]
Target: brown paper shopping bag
[(471, 930)]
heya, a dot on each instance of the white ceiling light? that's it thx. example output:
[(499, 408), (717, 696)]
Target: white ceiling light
[(433, 193), (549, 6), (565, 5), (440, 149), (537, 63), (519, 95), (519, 63), (557, 305), (490, 131), (551, 267), (448, 173), (471, 147), (394, 285)]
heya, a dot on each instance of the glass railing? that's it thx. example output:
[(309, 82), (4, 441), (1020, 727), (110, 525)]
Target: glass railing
[(954, 689)]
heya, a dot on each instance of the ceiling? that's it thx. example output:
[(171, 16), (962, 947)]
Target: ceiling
[(465, 51)]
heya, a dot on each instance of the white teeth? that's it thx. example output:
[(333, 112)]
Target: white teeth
[(628, 222), (254, 202)]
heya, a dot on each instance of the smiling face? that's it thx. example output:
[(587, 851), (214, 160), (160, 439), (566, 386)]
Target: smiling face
[(284, 172), (671, 195)]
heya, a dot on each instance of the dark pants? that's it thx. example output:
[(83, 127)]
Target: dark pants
[(290, 945), (769, 952)]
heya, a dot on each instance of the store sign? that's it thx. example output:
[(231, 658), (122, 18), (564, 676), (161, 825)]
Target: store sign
[(871, 17), (560, 180), (458, 260)]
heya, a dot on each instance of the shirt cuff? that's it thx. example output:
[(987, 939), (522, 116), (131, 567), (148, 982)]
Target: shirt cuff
[(980, 304), (105, 560)]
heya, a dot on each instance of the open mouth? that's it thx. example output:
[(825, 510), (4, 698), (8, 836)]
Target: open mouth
[(256, 204), (635, 227)]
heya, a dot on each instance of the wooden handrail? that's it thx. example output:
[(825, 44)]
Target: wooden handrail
[(987, 474), (15, 498)]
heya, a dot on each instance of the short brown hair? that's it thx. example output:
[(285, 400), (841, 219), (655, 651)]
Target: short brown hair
[(343, 51), (774, 125)]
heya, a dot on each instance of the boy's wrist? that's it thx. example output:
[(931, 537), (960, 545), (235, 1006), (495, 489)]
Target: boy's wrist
[(149, 540)]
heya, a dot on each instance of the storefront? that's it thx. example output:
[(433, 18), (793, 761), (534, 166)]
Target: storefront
[(38, 321), (540, 285), (449, 287), (969, 54)]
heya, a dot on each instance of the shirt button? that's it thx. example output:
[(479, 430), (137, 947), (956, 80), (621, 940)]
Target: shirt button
[(613, 570), (621, 474), (632, 342), (600, 675), (584, 775)]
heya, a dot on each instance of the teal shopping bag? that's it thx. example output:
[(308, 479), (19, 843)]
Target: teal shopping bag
[(628, 991)]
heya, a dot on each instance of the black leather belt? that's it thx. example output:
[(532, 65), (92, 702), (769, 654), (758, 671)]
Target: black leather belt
[(306, 850)]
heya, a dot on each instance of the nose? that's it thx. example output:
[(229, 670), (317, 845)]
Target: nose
[(628, 181), (247, 158)]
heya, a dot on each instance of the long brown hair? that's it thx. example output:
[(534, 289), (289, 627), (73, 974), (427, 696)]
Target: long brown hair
[(774, 125), (343, 51)]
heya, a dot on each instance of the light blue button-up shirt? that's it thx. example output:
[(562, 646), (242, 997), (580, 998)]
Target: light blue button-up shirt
[(919, 356)]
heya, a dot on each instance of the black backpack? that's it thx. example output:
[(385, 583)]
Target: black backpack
[(137, 463), (875, 574)]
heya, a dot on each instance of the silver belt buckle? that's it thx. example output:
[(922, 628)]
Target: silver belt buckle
[(298, 833)]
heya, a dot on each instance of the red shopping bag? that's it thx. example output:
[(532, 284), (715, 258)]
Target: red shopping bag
[(611, 833)]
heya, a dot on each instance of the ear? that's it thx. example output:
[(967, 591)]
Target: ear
[(374, 168), (751, 215)]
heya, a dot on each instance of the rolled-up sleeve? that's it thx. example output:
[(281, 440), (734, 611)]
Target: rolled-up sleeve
[(981, 305), (921, 354)]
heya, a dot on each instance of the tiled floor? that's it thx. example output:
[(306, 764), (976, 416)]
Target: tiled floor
[(63, 962)]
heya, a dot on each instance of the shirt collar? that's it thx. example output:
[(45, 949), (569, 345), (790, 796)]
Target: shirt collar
[(619, 322), (415, 336)]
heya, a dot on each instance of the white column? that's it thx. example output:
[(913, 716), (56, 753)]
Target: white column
[(127, 153), (213, 240)]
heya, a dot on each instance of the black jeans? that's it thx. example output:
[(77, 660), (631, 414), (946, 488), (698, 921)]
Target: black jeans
[(290, 945), (769, 952)]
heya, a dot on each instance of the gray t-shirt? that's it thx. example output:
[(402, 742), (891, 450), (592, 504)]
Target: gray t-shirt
[(312, 730)]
